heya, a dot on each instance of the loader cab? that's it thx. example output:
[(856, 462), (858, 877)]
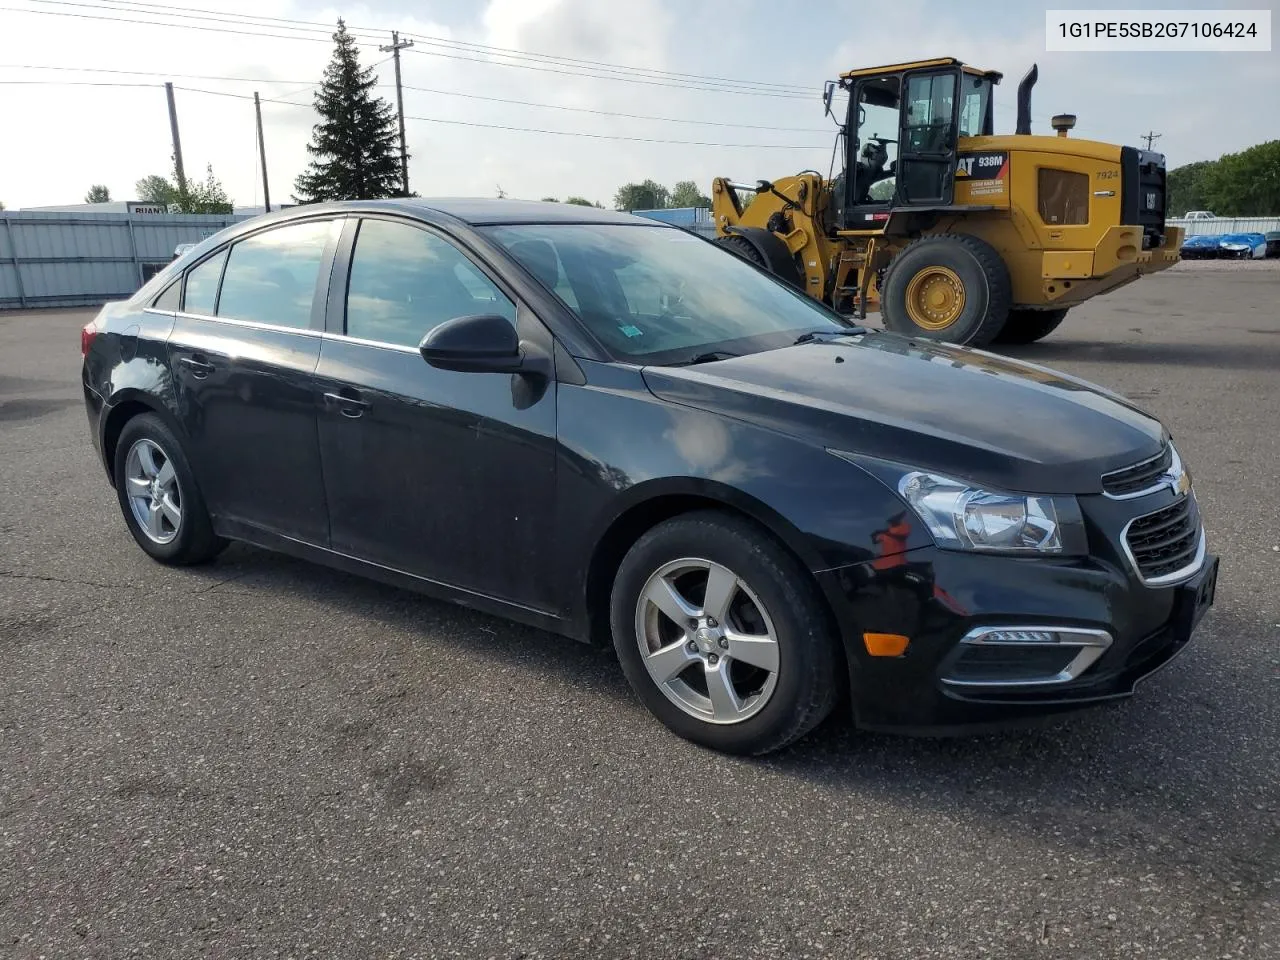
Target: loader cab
[(901, 135)]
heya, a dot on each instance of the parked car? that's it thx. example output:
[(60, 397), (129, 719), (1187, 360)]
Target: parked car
[(1273, 243), (611, 428), (1200, 247), (1243, 246), (1200, 215)]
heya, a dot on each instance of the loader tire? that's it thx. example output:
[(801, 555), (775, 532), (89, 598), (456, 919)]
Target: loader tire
[(743, 248), (947, 287), (1028, 326)]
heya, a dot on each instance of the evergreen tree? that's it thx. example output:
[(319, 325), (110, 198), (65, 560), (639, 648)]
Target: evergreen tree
[(355, 144)]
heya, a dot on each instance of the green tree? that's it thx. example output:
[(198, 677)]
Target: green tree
[(355, 145), (550, 200), (582, 202), (1186, 188), (647, 195), (1246, 184), (98, 193), (686, 194), (208, 196), (1, 204), (156, 189)]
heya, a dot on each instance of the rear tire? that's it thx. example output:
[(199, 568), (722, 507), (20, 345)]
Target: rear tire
[(158, 495), (1028, 326), (948, 287), (759, 676)]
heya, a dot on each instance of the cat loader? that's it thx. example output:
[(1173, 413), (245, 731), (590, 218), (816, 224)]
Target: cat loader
[(953, 232)]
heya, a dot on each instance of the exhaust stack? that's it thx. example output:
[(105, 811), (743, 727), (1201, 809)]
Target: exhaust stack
[(1024, 100)]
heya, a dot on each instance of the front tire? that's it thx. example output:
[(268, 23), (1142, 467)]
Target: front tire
[(723, 634), (1028, 326), (948, 287), (158, 495)]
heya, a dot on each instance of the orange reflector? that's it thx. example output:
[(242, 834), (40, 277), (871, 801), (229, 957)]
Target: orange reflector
[(885, 644)]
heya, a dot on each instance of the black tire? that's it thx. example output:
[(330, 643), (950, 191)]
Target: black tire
[(1028, 326), (743, 248), (809, 673), (982, 273), (192, 540)]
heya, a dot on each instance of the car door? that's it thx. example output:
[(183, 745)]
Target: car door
[(243, 351), (446, 475), (927, 153)]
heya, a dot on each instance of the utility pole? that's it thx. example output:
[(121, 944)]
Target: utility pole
[(396, 46), (262, 152), (177, 141), (1151, 137)]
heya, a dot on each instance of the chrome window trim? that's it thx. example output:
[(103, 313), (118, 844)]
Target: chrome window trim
[(1093, 643), (1169, 478), (249, 324), (1165, 579), (398, 347)]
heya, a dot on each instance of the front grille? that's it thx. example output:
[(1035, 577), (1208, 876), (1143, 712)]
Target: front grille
[(1139, 478), (1165, 542)]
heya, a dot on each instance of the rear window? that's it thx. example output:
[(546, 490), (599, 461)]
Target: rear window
[(202, 285)]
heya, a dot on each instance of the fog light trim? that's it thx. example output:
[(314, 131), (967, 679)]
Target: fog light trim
[(1092, 644)]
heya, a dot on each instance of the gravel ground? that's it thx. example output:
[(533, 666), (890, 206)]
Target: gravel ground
[(266, 758)]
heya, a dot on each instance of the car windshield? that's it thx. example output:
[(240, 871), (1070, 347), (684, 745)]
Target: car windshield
[(661, 295)]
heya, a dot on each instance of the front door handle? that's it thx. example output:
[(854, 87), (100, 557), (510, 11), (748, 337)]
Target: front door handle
[(348, 403), (199, 368)]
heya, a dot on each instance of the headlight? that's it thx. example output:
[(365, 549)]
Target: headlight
[(965, 517), (961, 516)]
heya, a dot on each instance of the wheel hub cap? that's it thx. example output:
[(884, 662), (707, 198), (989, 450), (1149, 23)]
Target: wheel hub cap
[(935, 298), (707, 641), (151, 486)]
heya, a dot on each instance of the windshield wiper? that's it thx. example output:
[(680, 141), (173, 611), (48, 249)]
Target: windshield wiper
[(708, 357), (812, 335)]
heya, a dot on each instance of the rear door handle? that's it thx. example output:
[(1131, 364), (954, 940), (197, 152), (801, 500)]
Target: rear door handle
[(348, 403), (199, 368)]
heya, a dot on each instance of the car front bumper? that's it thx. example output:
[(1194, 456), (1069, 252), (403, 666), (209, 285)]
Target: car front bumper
[(937, 597)]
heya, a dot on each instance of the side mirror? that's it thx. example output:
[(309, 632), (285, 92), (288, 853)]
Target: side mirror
[(474, 344), (827, 93)]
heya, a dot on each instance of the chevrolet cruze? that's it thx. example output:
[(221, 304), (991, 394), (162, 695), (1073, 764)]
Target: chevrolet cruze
[(612, 429)]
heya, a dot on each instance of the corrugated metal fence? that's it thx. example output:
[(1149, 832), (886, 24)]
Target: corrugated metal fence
[(66, 260), (1220, 225), (695, 219)]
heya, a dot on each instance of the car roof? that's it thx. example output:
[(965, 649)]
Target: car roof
[(482, 211)]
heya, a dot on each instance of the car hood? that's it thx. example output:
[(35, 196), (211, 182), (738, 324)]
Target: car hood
[(967, 413)]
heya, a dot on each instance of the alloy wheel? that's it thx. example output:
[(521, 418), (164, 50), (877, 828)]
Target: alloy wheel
[(153, 492), (707, 641)]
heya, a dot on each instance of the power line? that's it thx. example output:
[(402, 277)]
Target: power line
[(441, 41), (609, 136), (595, 76), (1151, 137), (182, 26), (554, 133), (710, 87), (437, 92), (614, 113)]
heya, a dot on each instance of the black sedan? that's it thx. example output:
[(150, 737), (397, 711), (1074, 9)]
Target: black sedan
[(612, 429)]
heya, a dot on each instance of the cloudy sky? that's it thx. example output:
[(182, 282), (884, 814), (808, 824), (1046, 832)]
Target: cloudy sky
[(66, 128)]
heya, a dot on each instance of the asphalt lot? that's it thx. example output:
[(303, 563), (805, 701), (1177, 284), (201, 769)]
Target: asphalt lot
[(267, 758)]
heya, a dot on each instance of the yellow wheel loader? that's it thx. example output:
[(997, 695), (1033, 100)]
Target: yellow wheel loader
[(954, 233)]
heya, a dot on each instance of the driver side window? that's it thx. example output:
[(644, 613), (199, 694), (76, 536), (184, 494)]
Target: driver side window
[(406, 281)]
